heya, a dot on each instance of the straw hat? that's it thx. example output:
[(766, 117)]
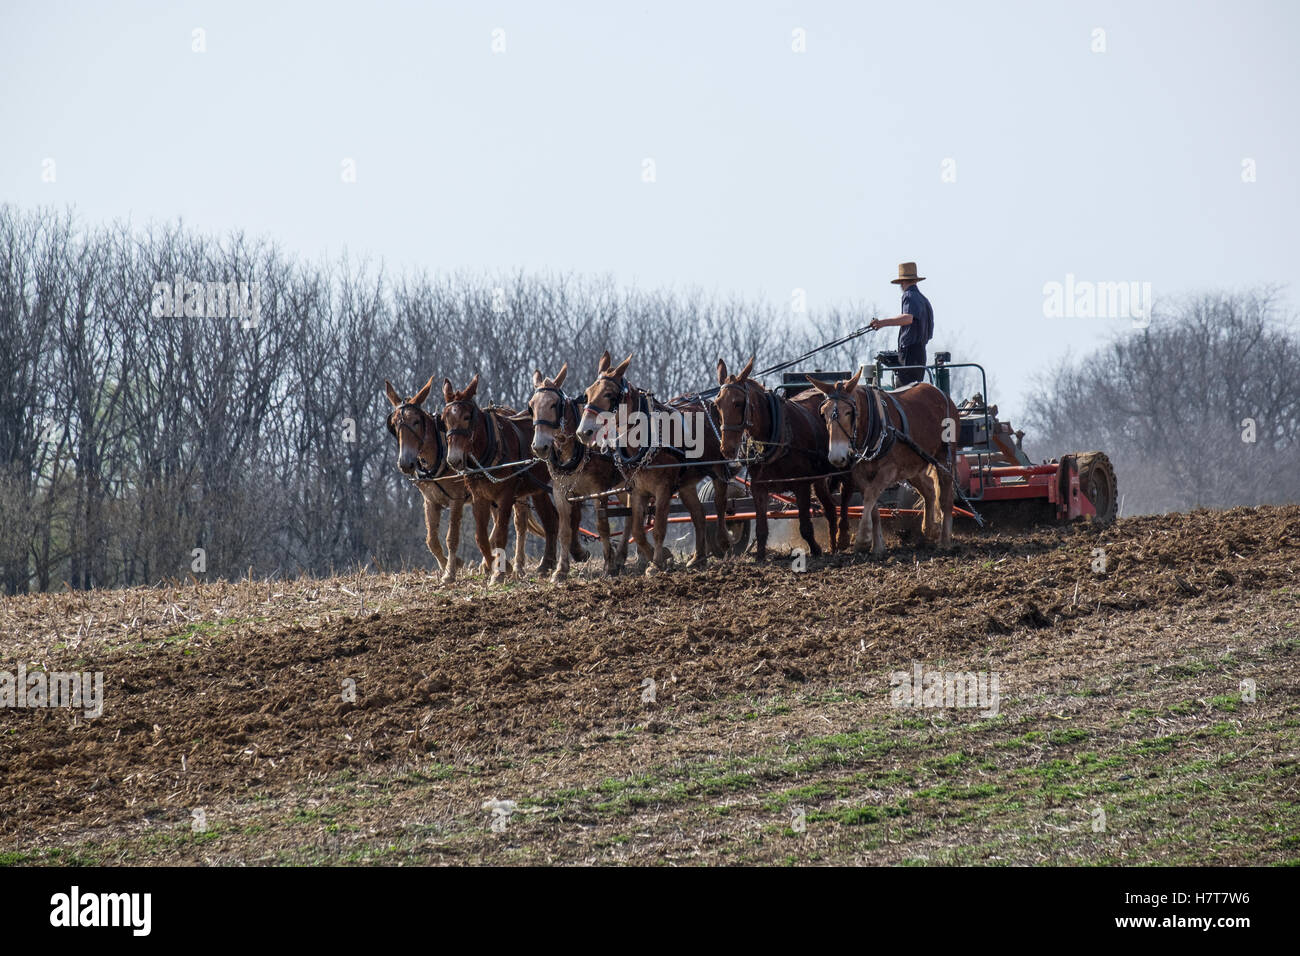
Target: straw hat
[(907, 273)]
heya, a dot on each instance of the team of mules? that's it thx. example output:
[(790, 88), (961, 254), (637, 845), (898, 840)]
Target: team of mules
[(564, 450)]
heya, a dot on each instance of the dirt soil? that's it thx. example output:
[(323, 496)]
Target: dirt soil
[(1149, 711)]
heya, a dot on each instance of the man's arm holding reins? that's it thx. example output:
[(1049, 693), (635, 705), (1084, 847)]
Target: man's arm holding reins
[(904, 319)]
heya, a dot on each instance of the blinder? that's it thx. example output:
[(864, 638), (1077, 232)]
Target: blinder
[(561, 406)]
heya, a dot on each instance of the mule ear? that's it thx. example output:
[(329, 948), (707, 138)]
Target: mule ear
[(564, 370), (448, 393), (393, 397), (423, 393), (852, 383), (824, 387), (621, 368), (722, 372), (471, 388), (603, 364), (749, 367), (538, 381)]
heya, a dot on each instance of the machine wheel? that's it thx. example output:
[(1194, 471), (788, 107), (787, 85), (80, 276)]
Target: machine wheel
[(1098, 482), (739, 530)]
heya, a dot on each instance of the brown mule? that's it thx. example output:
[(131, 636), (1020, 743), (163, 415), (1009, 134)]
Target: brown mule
[(422, 457), (782, 442), (652, 468), (869, 430), (478, 441), (576, 471)]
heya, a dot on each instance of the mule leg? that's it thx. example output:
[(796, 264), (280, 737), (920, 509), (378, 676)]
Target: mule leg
[(499, 534), (761, 498), (946, 495), (691, 498), (637, 534), (869, 532), (521, 535), (575, 547), (551, 525), (602, 528), (663, 502), (926, 485), (620, 551), (482, 510), (846, 495), (455, 514), (803, 496), (432, 516), (566, 510), (633, 524), (823, 490), (722, 543)]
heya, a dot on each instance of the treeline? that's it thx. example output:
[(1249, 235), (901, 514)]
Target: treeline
[(152, 426), (144, 435), (1201, 409)]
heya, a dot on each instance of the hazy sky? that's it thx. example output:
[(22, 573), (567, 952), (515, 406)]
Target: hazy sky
[(774, 170)]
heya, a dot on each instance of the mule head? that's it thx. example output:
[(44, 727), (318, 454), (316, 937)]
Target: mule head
[(414, 428), (840, 412), (602, 400), (460, 415), (734, 403), (548, 406)]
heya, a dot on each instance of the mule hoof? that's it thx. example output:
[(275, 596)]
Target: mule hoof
[(699, 561), (559, 577)]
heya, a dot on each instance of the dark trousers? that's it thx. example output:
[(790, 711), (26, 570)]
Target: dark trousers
[(912, 355)]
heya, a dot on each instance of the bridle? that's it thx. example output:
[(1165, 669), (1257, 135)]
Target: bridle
[(746, 424), (564, 406), (833, 399), (467, 432), (617, 400), (394, 426)]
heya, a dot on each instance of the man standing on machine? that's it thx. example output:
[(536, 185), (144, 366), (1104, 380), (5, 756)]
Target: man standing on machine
[(915, 322)]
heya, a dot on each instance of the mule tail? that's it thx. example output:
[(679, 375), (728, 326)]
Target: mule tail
[(534, 527)]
